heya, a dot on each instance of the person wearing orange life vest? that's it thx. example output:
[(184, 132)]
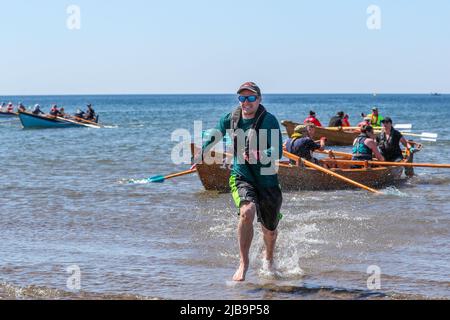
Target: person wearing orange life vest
[(345, 122), (312, 119)]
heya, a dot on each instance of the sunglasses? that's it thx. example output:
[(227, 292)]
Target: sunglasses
[(248, 98)]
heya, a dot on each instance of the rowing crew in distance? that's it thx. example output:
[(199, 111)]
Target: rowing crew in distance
[(55, 111)]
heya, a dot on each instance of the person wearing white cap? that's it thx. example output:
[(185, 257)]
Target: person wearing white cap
[(37, 110)]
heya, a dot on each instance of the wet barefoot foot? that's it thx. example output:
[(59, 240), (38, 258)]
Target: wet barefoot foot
[(268, 265), (240, 273)]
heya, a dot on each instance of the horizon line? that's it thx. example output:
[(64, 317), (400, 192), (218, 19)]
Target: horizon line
[(186, 94)]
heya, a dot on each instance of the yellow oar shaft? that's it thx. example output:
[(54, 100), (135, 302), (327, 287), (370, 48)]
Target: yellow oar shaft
[(336, 153), (334, 174), (180, 174)]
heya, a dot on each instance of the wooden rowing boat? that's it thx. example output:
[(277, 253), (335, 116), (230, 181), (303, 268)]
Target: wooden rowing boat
[(30, 120), (335, 136), (214, 177)]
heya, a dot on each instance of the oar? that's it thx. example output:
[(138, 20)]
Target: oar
[(76, 122), (390, 164), (161, 179), (427, 136), (84, 120), (405, 126), (334, 174), (336, 153)]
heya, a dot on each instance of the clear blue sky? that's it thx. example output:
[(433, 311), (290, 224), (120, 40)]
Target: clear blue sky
[(200, 46)]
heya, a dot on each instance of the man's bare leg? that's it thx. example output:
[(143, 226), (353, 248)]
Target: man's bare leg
[(270, 238), (245, 237)]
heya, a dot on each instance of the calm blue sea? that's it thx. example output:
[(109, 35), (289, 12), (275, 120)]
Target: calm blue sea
[(64, 205)]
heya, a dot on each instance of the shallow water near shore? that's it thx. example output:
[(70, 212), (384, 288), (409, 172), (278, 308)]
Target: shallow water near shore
[(64, 203)]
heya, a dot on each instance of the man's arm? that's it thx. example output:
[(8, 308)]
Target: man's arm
[(405, 143), (373, 146)]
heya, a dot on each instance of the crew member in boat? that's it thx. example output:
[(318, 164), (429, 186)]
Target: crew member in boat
[(389, 141), (375, 118), (365, 145), (312, 119), (10, 107), (2, 106), (37, 110), (90, 113), (302, 144), (345, 121), (21, 108), (336, 121), (54, 111), (79, 114)]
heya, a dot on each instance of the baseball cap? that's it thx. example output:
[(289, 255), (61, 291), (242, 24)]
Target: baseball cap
[(250, 86), (300, 128), (374, 109)]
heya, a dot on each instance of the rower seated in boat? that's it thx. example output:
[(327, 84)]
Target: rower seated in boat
[(301, 143), (336, 121), (21, 108), (312, 119), (79, 114), (90, 113), (37, 110), (365, 146), (54, 111), (10, 108), (345, 121)]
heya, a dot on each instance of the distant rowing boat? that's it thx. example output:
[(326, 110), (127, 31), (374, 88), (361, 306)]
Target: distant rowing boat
[(215, 177), (30, 121), (335, 136)]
